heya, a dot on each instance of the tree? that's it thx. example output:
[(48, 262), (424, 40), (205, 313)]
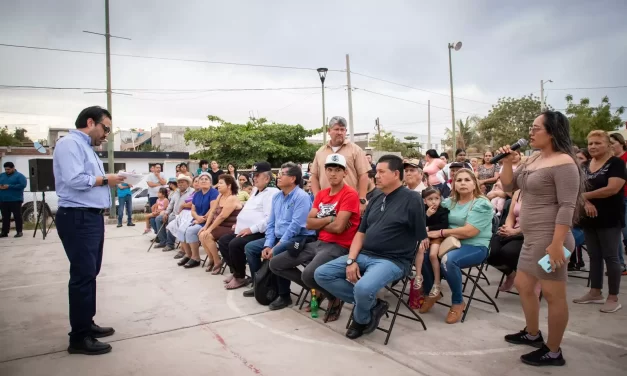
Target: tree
[(583, 118), (509, 120), (8, 139), (466, 136), (413, 147), (20, 135), (387, 142), (257, 140)]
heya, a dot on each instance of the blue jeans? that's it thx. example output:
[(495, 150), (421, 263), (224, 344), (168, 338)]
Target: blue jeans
[(621, 247), (165, 237), (451, 267), (125, 202), (253, 256), (375, 272)]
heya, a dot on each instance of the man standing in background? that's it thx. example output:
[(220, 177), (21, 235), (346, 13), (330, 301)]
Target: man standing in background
[(357, 165), (12, 184), (154, 181)]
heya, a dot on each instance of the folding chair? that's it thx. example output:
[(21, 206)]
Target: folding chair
[(579, 250), (399, 294)]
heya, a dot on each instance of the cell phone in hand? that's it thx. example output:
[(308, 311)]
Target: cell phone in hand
[(545, 262)]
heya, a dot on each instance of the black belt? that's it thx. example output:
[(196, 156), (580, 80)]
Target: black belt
[(90, 210)]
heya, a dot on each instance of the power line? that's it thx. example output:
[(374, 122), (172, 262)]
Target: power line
[(163, 91), (408, 100), (159, 57), (415, 88), (589, 88)]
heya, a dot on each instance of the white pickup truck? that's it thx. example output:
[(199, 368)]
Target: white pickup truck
[(139, 192)]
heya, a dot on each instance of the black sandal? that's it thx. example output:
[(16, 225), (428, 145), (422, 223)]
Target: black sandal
[(334, 309)]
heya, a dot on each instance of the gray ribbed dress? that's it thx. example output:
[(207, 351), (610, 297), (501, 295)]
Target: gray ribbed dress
[(550, 196)]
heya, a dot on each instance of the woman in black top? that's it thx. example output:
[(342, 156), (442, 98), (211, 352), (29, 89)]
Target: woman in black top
[(605, 217)]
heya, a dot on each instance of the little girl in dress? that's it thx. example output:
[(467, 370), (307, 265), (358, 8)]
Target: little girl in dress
[(158, 208), (497, 197), (437, 219)]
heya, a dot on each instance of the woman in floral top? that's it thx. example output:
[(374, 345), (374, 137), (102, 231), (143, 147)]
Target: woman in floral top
[(488, 173)]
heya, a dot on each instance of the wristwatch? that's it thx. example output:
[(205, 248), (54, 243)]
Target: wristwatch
[(105, 181), (362, 201), (349, 261)]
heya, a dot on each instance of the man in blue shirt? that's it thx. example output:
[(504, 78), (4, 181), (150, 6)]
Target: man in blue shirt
[(83, 190), (125, 200), (12, 185), (286, 229)]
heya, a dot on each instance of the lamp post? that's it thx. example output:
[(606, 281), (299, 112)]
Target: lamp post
[(453, 46), (322, 72), (542, 104)]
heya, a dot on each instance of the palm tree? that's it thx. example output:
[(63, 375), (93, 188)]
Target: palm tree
[(466, 133)]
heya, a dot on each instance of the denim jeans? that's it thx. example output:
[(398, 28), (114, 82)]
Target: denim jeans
[(253, 256), (164, 236), (621, 245), (451, 267), (125, 202), (375, 272)]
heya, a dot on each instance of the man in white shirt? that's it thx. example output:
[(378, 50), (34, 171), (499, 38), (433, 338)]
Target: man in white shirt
[(154, 181), (251, 225), (177, 199)]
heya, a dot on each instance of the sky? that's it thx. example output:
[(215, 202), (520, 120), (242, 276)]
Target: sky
[(508, 47)]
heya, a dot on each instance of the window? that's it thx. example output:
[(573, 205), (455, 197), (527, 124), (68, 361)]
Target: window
[(116, 167), (143, 193)]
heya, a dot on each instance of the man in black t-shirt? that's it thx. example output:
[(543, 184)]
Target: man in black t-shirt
[(382, 251)]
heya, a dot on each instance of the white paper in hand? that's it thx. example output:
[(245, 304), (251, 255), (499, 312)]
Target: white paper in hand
[(131, 178)]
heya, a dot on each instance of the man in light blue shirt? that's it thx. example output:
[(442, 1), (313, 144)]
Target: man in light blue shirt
[(83, 190), (286, 228)]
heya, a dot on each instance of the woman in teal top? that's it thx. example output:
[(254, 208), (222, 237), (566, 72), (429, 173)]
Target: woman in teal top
[(470, 221)]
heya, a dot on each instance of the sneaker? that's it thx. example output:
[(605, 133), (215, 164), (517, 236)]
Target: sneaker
[(18, 235), (167, 249), (590, 299), (160, 245), (542, 357), (522, 338), (119, 225), (610, 306)]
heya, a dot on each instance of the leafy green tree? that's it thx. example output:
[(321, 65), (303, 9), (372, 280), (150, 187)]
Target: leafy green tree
[(257, 140), (387, 142), (413, 147), (20, 135), (583, 118), (509, 119), (7, 138)]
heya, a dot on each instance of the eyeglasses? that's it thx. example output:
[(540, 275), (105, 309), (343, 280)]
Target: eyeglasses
[(106, 129), (534, 129)]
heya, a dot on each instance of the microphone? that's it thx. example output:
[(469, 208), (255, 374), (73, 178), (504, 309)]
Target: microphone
[(519, 144)]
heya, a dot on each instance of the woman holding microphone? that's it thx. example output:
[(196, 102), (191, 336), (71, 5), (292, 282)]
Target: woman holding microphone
[(551, 185)]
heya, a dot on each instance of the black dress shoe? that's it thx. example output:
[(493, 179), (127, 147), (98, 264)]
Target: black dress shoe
[(130, 224), (183, 261), (99, 332), (280, 302), (355, 330), (119, 225), (375, 315), (18, 235), (250, 293), (191, 264), (89, 346), (4, 235)]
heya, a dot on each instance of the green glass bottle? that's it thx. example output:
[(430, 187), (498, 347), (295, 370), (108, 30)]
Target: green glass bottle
[(314, 304)]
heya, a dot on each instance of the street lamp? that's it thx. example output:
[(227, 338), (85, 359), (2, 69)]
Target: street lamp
[(322, 72), (542, 103), (453, 46)]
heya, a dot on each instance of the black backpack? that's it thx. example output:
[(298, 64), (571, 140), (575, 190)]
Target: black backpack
[(266, 288)]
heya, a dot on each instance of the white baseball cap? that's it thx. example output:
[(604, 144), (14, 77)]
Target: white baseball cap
[(335, 160)]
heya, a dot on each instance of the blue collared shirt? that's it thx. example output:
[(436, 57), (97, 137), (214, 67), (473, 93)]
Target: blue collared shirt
[(76, 167), (288, 217)]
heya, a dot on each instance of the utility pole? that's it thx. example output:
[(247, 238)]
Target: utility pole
[(542, 103), (351, 129), (377, 127), (111, 137), (450, 70), (429, 124)]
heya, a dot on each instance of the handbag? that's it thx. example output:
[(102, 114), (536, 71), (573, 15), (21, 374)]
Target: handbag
[(450, 242), (266, 286)]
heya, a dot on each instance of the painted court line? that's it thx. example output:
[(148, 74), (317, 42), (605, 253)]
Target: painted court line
[(66, 281)]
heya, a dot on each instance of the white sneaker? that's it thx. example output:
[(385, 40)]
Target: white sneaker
[(610, 306)]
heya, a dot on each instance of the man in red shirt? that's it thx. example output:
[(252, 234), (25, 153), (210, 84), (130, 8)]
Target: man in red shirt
[(335, 215)]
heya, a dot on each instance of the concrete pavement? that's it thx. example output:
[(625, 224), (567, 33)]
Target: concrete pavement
[(170, 320)]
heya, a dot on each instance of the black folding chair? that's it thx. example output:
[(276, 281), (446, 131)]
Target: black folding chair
[(399, 294), (578, 251)]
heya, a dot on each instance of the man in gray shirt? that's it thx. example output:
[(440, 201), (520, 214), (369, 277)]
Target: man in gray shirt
[(154, 181), (177, 199)]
